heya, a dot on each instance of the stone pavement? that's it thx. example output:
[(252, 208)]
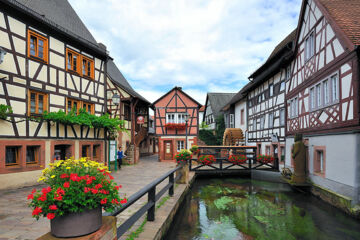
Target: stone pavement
[(15, 217)]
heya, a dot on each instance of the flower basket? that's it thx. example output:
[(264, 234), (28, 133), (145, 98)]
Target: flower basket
[(207, 159), (237, 159), (175, 126), (183, 156), (77, 190), (265, 158)]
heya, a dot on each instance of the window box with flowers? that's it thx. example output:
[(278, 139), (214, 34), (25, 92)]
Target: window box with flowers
[(207, 159), (265, 159), (237, 159), (175, 126), (77, 192)]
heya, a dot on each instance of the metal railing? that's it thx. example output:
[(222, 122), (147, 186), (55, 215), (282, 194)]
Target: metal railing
[(149, 207), (222, 153)]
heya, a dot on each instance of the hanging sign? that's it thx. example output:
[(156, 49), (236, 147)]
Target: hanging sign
[(140, 120)]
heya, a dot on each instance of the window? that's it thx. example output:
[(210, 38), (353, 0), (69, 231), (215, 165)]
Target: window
[(259, 99), (170, 118), (326, 92), (73, 61), (282, 152), (271, 90), (294, 107), (127, 112), (73, 105), (37, 46), (12, 155), (62, 151), (181, 117), (85, 151), (180, 145), (262, 122), (96, 152), (242, 116), (312, 98), (334, 88), (87, 67), (318, 95), (282, 117), (232, 123), (271, 120), (89, 107), (32, 154), (282, 86), (319, 160), (288, 72), (37, 102), (267, 150), (309, 46)]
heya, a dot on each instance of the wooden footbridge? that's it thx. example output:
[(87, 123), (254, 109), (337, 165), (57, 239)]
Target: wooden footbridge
[(223, 164)]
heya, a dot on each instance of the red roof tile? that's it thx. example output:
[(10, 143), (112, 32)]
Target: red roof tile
[(346, 14)]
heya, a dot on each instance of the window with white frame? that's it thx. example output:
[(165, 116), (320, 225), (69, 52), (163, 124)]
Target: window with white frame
[(262, 122), (282, 86), (324, 93), (271, 120), (282, 117), (271, 90), (175, 117), (309, 46), (294, 107), (232, 122), (180, 145), (288, 72), (181, 117), (170, 118), (255, 124)]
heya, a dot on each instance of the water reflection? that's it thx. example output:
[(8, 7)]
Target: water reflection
[(229, 209)]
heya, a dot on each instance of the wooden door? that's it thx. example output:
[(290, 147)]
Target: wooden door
[(168, 150)]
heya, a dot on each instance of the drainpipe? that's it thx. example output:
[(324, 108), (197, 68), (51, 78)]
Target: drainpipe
[(356, 198)]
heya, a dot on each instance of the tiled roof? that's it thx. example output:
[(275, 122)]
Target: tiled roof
[(346, 14), (218, 101), (282, 44), (120, 80)]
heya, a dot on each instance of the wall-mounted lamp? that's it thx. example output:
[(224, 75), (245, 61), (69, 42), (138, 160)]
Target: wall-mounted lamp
[(116, 99), (2, 55)]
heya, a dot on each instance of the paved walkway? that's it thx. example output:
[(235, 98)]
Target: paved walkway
[(15, 217)]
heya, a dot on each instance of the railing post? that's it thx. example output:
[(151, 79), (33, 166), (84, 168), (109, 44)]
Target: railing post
[(151, 198), (171, 180), (221, 163)]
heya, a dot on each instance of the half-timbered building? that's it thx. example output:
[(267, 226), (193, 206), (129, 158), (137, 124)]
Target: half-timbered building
[(323, 94), (266, 100), (52, 63), (172, 111), (213, 105), (131, 107)]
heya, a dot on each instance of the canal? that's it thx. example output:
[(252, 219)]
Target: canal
[(236, 208)]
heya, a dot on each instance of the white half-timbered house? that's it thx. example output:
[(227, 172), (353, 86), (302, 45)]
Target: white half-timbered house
[(137, 140), (52, 63), (323, 94), (266, 100)]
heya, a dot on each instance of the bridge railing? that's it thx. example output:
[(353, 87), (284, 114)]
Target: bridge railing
[(149, 207), (222, 153)]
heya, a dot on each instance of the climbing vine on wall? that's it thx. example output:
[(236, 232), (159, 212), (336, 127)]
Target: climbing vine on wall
[(5, 110)]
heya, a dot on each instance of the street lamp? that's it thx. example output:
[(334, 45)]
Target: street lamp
[(186, 116), (2, 55), (116, 99)]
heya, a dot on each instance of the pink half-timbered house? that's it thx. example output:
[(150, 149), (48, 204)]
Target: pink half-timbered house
[(323, 93), (171, 112)]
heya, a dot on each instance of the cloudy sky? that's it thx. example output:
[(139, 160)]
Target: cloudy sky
[(201, 45)]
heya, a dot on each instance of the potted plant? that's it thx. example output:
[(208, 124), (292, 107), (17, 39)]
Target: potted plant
[(207, 159), (77, 192), (237, 159), (182, 159), (263, 158), (195, 149)]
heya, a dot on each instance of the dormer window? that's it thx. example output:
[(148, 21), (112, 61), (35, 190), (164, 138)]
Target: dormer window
[(37, 46)]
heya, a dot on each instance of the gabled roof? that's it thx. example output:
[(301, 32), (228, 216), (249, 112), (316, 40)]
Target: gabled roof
[(217, 101), (59, 15), (202, 109), (346, 15), (118, 78), (178, 89)]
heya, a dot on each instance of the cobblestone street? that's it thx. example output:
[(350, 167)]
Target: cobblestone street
[(15, 217)]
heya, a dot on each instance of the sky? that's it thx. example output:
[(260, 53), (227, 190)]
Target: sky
[(200, 45)]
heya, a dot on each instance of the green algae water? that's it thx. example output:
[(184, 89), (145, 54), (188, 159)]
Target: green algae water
[(234, 209)]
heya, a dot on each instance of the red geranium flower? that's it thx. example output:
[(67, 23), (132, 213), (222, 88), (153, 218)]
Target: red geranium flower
[(33, 191), (94, 191), (46, 190), (86, 189), (37, 211), (123, 201), (60, 191), (66, 184), (97, 186), (53, 207), (30, 196), (59, 198), (103, 201), (64, 175), (74, 177), (115, 201), (50, 216), (42, 198)]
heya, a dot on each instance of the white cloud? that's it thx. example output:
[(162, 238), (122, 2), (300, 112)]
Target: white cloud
[(201, 45)]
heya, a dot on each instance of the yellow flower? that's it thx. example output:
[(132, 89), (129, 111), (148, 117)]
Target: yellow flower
[(41, 179), (68, 167), (52, 176), (86, 165)]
